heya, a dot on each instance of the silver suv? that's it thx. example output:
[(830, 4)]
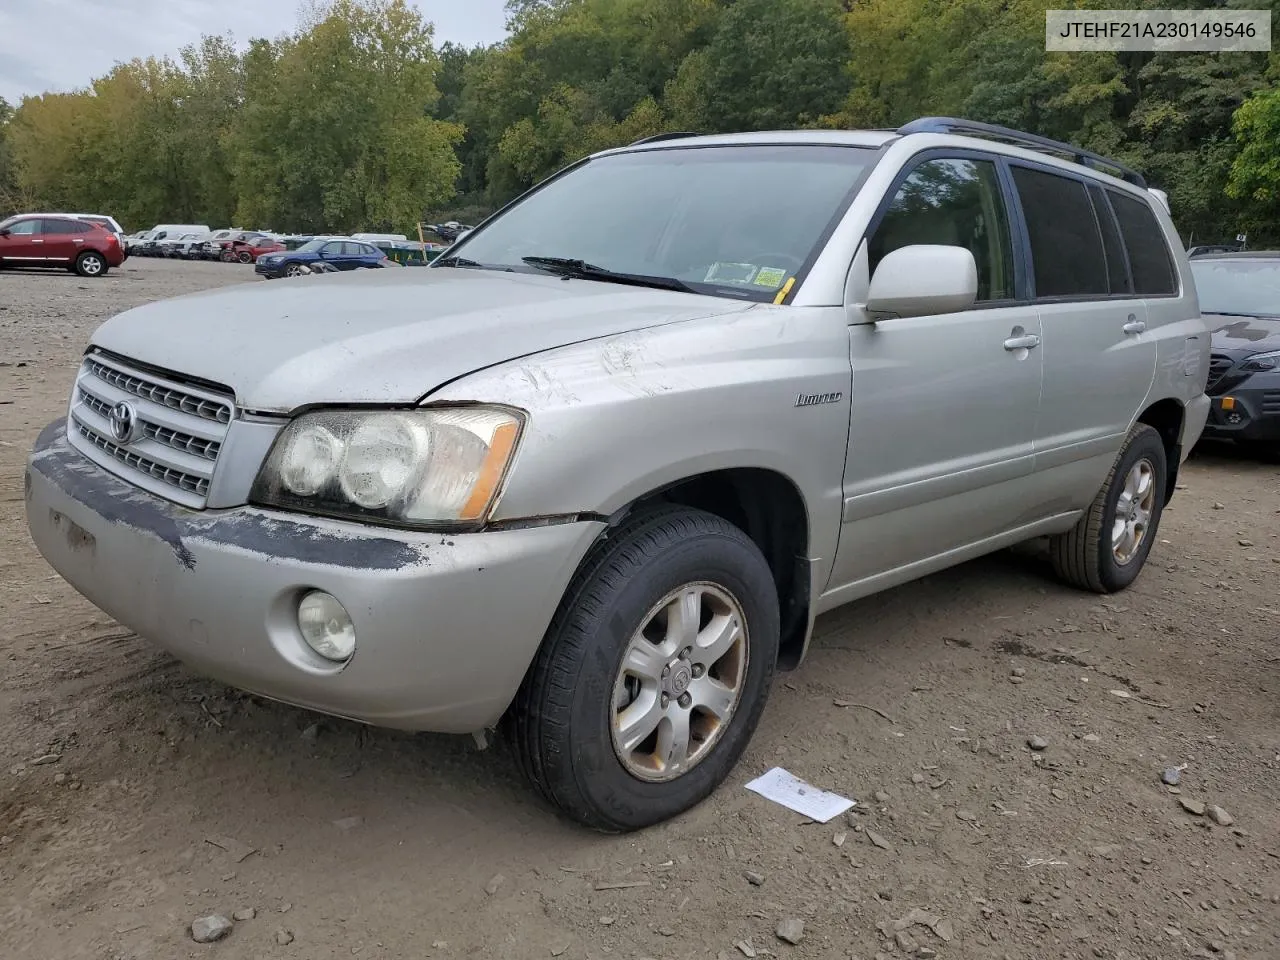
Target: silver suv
[(597, 470)]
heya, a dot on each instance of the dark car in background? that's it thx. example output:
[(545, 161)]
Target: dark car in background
[(1240, 299), (87, 248), (341, 252)]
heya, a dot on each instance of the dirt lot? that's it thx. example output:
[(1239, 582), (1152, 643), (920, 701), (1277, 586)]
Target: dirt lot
[(119, 766)]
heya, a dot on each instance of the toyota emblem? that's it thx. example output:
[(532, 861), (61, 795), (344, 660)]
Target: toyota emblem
[(124, 422)]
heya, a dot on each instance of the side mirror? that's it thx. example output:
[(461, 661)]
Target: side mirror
[(922, 280), (4, 231)]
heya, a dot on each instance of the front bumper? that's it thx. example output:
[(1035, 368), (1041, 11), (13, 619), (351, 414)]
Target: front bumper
[(272, 270), (1250, 412), (446, 625)]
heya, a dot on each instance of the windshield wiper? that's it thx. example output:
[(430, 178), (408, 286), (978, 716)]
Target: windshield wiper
[(456, 261), (581, 270)]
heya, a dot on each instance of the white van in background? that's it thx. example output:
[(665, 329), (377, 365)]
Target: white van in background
[(162, 231)]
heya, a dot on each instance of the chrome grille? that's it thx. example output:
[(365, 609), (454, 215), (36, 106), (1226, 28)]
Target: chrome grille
[(179, 433), (176, 478), (173, 438), (157, 393)]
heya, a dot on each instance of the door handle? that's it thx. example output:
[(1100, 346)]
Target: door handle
[(37, 241), (1026, 342), (1135, 326)]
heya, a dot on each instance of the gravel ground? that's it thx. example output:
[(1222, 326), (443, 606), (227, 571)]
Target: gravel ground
[(137, 798)]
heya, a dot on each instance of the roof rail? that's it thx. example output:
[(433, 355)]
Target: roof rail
[(659, 137), (990, 131)]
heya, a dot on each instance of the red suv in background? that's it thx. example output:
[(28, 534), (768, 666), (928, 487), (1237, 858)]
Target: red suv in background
[(89, 249), (249, 249)]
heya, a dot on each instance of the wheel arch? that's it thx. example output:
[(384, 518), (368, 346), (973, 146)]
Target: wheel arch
[(768, 507), (1166, 417)]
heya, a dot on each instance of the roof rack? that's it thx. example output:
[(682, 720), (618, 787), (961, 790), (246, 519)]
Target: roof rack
[(1030, 141), (659, 137)]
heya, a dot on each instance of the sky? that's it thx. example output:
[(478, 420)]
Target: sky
[(60, 45)]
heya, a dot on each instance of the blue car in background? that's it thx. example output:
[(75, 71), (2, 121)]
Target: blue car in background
[(339, 252)]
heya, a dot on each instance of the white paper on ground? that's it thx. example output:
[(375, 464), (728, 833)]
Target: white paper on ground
[(792, 792)]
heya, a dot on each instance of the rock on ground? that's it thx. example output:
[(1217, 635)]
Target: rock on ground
[(211, 928)]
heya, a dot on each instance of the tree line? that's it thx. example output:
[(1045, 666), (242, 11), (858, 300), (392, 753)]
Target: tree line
[(359, 120)]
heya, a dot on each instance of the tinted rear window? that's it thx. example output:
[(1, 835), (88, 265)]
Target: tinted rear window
[(57, 227), (1148, 253), (1066, 245)]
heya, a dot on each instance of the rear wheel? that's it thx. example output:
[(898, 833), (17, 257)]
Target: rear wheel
[(653, 674), (1107, 549), (90, 263)]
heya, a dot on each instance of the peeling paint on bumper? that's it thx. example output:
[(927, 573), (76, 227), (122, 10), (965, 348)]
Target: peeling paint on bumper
[(446, 625)]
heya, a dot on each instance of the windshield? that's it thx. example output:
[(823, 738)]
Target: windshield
[(1247, 287), (735, 221)]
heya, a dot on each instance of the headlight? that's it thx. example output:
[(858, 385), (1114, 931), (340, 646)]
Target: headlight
[(1262, 362), (439, 466)]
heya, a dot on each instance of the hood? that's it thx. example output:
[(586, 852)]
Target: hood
[(381, 336), (1241, 336)]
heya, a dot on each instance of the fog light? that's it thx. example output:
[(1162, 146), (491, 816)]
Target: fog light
[(326, 626)]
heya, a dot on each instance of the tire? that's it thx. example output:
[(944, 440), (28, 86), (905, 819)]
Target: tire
[(244, 256), (90, 263), (293, 270), (564, 717), (1088, 556)]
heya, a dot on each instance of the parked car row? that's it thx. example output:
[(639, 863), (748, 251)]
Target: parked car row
[(197, 242)]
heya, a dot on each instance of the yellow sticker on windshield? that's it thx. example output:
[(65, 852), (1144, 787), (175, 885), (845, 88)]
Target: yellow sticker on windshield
[(770, 277)]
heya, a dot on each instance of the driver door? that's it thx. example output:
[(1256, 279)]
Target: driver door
[(943, 419), (335, 252), (23, 243)]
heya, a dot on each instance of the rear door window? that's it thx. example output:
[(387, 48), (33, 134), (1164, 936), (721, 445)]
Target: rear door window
[(1066, 243), (1153, 274)]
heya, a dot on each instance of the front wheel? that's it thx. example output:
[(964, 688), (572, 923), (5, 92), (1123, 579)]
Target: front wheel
[(1107, 549), (294, 270), (653, 674), (91, 264)]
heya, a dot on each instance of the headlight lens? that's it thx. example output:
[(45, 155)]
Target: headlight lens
[(1262, 362), (429, 467)]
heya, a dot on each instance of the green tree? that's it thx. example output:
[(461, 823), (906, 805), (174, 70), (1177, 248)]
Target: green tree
[(343, 134), (769, 64), (8, 177), (1254, 177)]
